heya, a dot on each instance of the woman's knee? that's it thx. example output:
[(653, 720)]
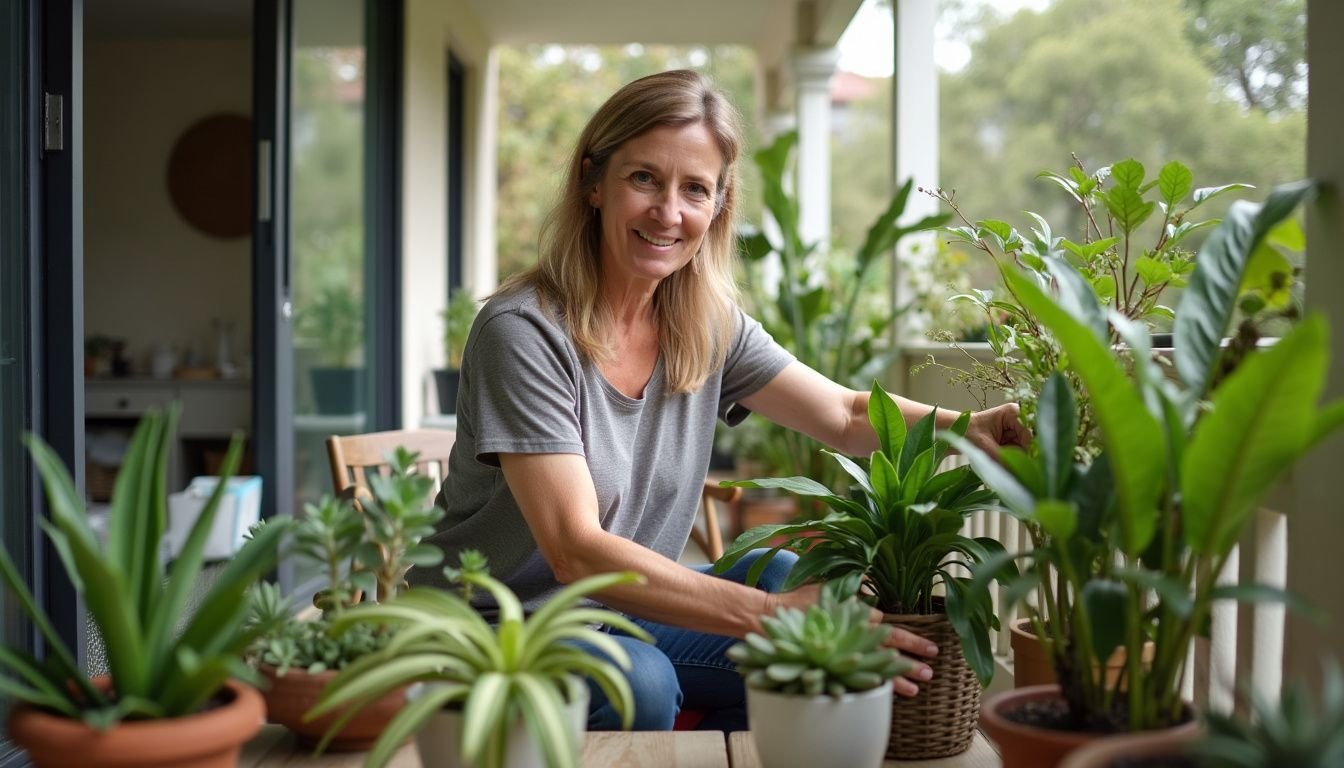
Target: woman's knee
[(771, 579), (654, 689)]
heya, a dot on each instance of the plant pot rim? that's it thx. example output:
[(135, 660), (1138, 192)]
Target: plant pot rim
[(231, 723), (992, 717), (847, 697), (1103, 753)]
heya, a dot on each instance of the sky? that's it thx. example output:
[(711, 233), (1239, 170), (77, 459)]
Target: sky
[(866, 47)]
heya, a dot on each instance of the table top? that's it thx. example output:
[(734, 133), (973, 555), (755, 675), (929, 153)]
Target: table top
[(742, 754), (275, 747)]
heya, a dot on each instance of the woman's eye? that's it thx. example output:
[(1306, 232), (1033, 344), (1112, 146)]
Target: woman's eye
[(697, 191), (642, 177)]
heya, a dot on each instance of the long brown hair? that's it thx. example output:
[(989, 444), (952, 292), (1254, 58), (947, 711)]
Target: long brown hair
[(693, 306)]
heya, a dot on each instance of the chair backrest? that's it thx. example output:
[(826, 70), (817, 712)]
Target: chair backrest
[(354, 457), (708, 536)]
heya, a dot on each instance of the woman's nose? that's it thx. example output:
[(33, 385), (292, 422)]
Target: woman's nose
[(666, 209)]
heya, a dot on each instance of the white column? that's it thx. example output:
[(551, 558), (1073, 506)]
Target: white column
[(1315, 527), (482, 258), (914, 130), (812, 70)]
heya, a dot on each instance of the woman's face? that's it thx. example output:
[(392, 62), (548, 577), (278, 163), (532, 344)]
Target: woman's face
[(656, 200)]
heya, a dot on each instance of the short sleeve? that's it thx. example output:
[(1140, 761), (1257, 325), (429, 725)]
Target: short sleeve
[(520, 379), (754, 358)]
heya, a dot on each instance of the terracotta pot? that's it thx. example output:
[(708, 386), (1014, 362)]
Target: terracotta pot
[(1026, 746), (940, 720), (289, 697), (211, 739), (1105, 752), (1032, 664)]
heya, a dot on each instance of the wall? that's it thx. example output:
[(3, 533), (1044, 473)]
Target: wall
[(149, 276), (432, 28)]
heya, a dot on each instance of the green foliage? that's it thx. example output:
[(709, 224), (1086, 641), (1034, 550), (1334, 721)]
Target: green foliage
[(1257, 48), (336, 322), (457, 319), (814, 308), (1139, 537), (898, 533), (1295, 732), (1113, 80), (165, 659), (828, 649), (1134, 248), (525, 668), (364, 551)]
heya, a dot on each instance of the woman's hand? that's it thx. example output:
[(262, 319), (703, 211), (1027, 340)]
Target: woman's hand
[(911, 646), (998, 426)]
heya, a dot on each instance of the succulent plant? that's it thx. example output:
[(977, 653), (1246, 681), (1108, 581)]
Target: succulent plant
[(1293, 733), (831, 648)]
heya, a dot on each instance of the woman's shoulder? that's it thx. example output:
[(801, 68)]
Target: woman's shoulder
[(519, 309)]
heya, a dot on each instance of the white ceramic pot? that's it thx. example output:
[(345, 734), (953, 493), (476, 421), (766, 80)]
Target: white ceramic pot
[(439, 741), (820, 731)]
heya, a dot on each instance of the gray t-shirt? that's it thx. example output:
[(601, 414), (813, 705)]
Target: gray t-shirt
[(525, 388)]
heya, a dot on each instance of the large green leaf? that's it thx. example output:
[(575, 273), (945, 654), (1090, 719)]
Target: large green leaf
[(887, 421), (1107, 604), (1210, 297), (1262, 420), (1133, 437), (1056, 433)]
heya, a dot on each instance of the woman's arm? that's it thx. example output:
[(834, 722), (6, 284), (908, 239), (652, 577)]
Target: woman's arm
[(801, 399)]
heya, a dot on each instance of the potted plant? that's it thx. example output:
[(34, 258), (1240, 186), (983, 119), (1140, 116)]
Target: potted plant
[(170, 698), (899, 533), (815, 306), (457, 320), (1136, 540), (1292, 731), (366, 553), (819, 683), (1134, 246), (511, 694), (335, 321)]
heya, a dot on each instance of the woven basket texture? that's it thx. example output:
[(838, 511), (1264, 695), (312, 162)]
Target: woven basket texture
[(940, 720)]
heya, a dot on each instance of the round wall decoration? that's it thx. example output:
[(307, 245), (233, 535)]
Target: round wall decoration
[(210, 175)]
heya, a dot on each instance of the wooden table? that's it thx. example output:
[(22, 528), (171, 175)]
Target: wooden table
[(274, 747), (742, 754)]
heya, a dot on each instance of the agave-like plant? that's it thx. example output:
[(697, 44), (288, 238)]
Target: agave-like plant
[(1295, 732), (830, 649), (523, 669), (165, 659)]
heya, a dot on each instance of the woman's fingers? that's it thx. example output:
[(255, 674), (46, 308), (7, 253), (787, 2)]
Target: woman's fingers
[(913, 646)]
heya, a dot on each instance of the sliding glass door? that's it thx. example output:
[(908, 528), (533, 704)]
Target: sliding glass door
[(333, 262)]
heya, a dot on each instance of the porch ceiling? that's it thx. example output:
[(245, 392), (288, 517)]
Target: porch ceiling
[(770, 27)]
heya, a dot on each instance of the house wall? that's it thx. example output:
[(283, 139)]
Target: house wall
[(432, 28), (148, 275)]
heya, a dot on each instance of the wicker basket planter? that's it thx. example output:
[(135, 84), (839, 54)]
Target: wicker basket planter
[(940, 720)]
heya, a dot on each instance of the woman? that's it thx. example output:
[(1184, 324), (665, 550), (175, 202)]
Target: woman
[(591, 384)]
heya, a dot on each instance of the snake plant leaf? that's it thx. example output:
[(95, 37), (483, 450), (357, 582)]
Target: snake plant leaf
[(1261, 422), (1134, 438), (1208, 301)]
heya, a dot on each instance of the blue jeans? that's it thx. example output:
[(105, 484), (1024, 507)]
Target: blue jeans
[(686, 669)]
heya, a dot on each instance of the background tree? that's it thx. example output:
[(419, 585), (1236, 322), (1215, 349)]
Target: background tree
[(1257, 49)]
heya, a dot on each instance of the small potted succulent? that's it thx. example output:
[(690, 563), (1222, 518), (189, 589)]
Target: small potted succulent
[(457, 320), (511, 694), (899, 532), (1136, 540), (366, 552), (170, 698), (819, 683)]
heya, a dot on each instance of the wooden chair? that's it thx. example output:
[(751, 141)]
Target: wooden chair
[(707, 534), (354, 457)]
